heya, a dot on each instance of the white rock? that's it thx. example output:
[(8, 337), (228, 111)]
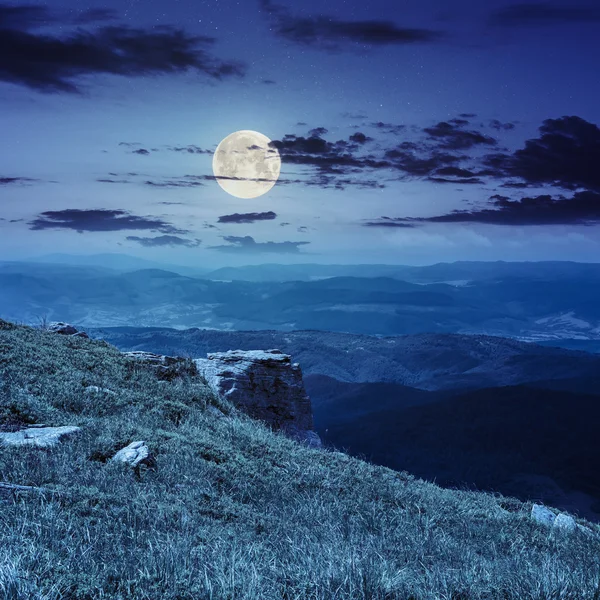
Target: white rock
[(565, 522), (94, 389), (135, 454), (542, 515), (42, 437)]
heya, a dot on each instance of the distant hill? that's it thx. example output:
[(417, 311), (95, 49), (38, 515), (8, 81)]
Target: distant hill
[(116, 261), (424, 361), (531, 443), (557, 308), (440, 272)]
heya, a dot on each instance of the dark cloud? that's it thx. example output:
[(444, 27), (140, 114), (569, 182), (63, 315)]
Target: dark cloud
[(53, 63), (420, 165), (11, 180), (268, 82), (334, 34), (388, 127), (543, 13), (328, 158), (499, 126), (519, 185), (164, 240), (187, 181), (190, 149), (566, 154), (583, 208), (141, 152), (389, 222), (247, 245), (452, 136), (108, 180), (248, 217), (360, 138), (81, 220)]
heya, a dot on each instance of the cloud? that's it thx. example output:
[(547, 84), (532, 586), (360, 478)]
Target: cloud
[(389, 222), (388, 127), (499, 126), (248, 217), (566, 154), (81, 220), (187, 181), (583, 208), (543, 13), (328, 158), (56, 63), (334, 34), (247, 245), (12, 180), (164, 240), (452, 136), (191, 149), (141, 151), (109, 180)]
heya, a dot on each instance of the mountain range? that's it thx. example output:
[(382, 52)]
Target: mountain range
[(554, 303)]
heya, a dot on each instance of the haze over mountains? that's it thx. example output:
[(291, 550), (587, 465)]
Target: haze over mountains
[(555, 303)]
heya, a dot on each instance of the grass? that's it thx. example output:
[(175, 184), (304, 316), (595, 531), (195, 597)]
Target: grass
[(234, 511)]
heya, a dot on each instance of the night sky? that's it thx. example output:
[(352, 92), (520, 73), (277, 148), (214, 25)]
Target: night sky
[(410, 131)]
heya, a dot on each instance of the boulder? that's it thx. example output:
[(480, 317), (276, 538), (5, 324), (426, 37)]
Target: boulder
[(265, 385), (135, 455), (62, 328), (565, 522), (42, 437), (542, 515), (66, 329), (165, 367)]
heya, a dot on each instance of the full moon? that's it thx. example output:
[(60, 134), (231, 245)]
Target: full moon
[(245, 165)]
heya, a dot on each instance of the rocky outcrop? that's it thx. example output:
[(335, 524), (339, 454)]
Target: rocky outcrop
[(136, 455), (166, 367), (66, 329), (265, 385), (562, 521), (42, 437)]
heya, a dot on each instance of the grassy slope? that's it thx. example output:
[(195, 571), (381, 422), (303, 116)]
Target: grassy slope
[(234, 510)]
